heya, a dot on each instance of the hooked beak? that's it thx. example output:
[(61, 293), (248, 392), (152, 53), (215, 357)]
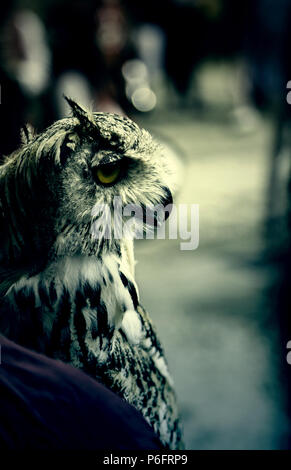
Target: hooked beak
[(154, 218)]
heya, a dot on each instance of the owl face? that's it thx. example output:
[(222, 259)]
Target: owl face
[(55, 182)]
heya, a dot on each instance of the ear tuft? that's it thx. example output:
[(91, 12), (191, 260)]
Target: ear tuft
[(80, 113), (27, 134)]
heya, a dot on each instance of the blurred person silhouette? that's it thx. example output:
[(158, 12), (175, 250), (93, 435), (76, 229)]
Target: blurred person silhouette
[(200, 30), (12, 100), (25, 73), (90, 41)]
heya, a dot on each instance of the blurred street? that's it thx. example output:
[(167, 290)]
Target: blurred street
[(211, 306)]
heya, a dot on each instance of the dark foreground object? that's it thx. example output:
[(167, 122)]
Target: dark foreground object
[(46, 404)]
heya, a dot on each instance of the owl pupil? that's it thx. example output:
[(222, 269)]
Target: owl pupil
[(108, 169)]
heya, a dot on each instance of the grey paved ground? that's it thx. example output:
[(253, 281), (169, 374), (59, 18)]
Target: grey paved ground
[(210, 304)]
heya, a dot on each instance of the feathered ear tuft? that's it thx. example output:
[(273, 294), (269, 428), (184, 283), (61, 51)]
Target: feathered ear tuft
[(84, 117), (27, 134)]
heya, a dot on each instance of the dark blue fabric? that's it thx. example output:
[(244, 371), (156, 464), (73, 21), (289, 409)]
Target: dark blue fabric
[(46, 404)]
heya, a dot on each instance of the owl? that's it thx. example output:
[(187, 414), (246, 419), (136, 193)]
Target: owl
[(66, 292)]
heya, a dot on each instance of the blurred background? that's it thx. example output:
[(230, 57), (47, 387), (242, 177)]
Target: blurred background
[(209, 78)]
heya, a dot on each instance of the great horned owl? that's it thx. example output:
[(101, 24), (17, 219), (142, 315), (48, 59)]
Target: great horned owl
[(66, 293)]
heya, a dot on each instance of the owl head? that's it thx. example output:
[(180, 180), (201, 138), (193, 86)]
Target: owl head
[(51, 186)]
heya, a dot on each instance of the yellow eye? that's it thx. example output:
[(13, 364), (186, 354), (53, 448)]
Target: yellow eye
[(108, 174)]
